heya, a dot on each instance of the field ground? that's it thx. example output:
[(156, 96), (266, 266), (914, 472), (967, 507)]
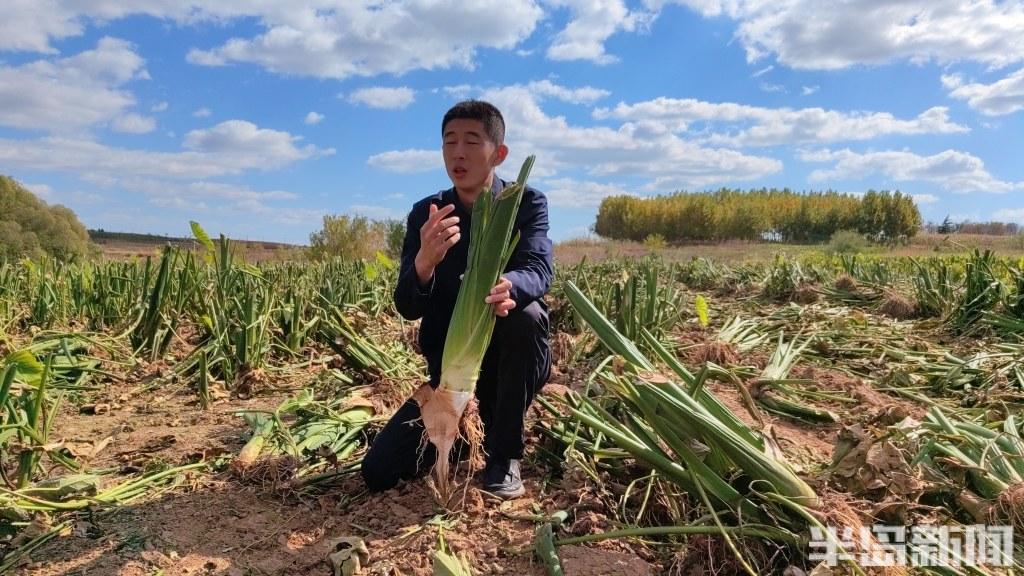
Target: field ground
[(877, 375), (573, 251)]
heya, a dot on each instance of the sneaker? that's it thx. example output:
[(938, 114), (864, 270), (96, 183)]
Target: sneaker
[(501, 478)]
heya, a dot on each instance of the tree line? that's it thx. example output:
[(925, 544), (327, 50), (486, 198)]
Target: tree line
[(992, 228), (772, 214)]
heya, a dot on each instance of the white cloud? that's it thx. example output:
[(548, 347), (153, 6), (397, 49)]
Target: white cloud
[(830, 35), (159, 107), (640, 149), (1009, 215), (231, 147), (74, 198), (313, 118), (591, 23), (179, 203), (407, 161), (541, 89), (43, 191), (31, 25), (952, 170), (582, 95), (383, 98), (1002, 97), (203, 196), (571, 193), (28, 26), (82, 197), (808, 90), (326, 38), (763, 71), (775, 126), (369, 38), (462, 91), (634, 148), (334, 39), (952, 81), (134, 124), (202, 113), (98, 178), (250, 145), (925, 198), (69, 94), (224, 191)]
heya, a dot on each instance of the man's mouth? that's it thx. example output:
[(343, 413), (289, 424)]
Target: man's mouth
[(459, 171)]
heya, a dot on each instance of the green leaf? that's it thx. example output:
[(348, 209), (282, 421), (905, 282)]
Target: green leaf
[(201, 235), (313, 442), (371, 272), (203, 239), (447, 563), (384, 261), (544, 547), (62, 488), (29, 369), (702, 310), (7, 435)]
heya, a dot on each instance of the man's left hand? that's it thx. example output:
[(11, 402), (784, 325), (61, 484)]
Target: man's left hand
[(500, 297)]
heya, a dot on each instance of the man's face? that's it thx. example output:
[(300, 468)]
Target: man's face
[(469, 156)]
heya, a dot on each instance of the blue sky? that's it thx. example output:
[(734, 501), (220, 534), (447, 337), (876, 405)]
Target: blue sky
[(256, 118)]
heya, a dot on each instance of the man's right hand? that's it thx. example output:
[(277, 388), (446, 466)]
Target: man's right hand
[(439, 233)]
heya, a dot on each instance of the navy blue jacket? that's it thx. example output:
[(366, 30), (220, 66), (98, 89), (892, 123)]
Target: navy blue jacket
[(530, 268)]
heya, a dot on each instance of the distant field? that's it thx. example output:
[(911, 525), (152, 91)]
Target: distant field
[(573, 251), (123, 246), (118, 246)]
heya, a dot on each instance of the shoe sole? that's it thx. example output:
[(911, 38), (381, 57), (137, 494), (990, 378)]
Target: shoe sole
[(507, 494)]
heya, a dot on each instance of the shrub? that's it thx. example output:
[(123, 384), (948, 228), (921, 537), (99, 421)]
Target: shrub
[(356, 237), (30, 227), (346, 238), (654, 241), (848, 242)]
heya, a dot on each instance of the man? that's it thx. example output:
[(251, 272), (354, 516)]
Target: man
[(434, 254)]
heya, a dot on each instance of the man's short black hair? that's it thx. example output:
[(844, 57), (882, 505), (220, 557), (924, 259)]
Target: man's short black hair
[(494, 124)]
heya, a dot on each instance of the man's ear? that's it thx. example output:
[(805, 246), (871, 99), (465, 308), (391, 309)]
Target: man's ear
[(500, 154)]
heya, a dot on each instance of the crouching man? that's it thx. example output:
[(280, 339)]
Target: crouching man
[(434, 254)]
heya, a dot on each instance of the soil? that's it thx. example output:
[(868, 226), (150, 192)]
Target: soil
[(221, 525), (806, 446)]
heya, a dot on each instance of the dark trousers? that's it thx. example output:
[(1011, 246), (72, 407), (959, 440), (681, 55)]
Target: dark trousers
[(517, 364)]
